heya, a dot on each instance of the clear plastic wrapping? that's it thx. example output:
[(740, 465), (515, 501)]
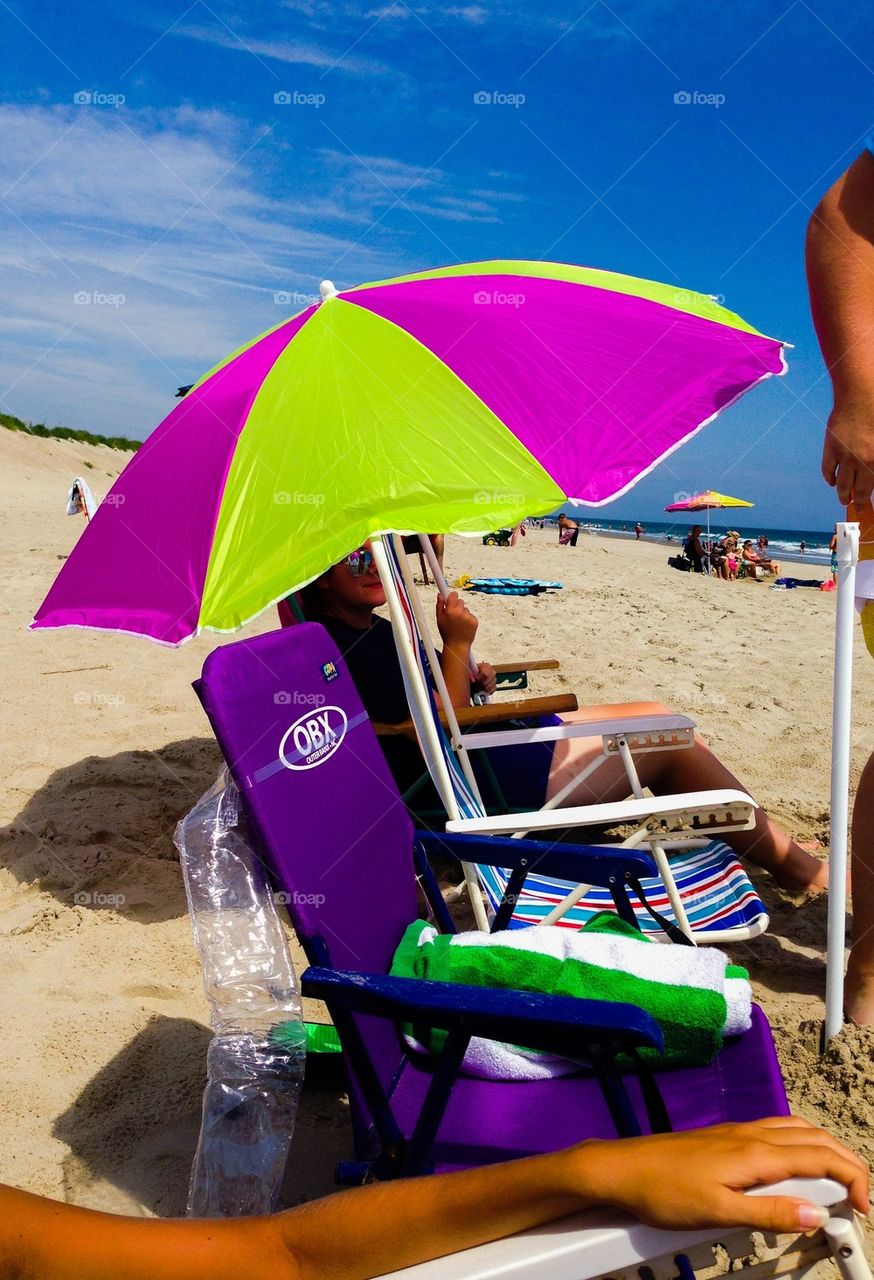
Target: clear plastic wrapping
[(255, 1062)]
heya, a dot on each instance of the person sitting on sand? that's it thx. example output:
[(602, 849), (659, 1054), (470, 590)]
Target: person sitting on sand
[(694, 549), (368, 1231), (752, 558), (730, 562), (343, 600), (717, 556)]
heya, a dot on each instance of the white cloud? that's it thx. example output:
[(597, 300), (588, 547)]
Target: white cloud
[(180, 225), (293, 52), (158, 209)]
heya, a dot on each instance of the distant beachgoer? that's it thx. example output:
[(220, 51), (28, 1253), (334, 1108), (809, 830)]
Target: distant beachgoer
[(694, 549), (840, 268), (802, 546), (762, 543), (723, 558), (638, 530), (413, 546), (750, 556), (568, 530), (833, 551)]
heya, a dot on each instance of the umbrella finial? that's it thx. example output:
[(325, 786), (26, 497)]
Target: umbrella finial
[(327, 290)]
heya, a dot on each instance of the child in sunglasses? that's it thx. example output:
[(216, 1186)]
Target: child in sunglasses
[(343, 600)]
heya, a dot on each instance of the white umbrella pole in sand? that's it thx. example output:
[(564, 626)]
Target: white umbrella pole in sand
[(848, 558)]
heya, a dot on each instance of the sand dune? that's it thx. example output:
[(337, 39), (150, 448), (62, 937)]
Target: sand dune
[(104, 746)]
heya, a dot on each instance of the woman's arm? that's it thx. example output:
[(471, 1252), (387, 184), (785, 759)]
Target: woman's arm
[(683, 1180)]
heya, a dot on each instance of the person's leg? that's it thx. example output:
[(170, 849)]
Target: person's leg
[(859, 989), (438, 542), (694, 768)]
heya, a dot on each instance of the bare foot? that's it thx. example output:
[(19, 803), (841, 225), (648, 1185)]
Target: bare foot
[(799, 872), (859, 998)]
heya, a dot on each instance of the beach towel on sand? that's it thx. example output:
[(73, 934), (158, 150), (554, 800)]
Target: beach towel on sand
[(694, 994)]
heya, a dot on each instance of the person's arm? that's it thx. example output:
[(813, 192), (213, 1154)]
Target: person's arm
[(840, 274), (681, 1181), (457, 627)]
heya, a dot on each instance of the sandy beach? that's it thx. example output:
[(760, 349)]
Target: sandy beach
[(105, 747)]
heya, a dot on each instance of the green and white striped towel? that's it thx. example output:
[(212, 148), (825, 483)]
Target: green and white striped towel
[(694, 994)]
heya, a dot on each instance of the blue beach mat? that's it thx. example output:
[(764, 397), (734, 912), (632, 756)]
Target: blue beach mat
[(510, 586)]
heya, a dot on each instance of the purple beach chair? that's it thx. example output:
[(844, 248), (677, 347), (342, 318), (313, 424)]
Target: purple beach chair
[(327, 819)]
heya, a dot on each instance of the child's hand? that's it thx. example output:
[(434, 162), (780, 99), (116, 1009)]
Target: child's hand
[(486, 678), (697, 1179), (455, 622)]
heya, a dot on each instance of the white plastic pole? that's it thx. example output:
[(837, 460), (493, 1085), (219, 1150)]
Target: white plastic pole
[(420, 709), (848, 558), (421, 712)]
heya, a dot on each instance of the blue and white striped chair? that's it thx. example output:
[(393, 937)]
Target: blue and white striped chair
[(702, 890)]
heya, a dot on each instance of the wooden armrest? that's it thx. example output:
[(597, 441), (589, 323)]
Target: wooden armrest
[(533, 664), (491, 713)]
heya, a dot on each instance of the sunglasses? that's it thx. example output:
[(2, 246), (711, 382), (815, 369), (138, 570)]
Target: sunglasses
[(358, 562)]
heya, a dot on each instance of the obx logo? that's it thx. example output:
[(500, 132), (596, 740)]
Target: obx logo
[(313, 738)]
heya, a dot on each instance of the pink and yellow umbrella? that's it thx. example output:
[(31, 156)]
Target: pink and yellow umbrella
[(457, 400), (707, 501)]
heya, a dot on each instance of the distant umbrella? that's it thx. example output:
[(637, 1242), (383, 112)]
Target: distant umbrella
[(707, 501)]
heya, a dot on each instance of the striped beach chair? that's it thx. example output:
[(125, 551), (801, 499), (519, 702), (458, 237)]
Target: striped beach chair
[(702, 891)]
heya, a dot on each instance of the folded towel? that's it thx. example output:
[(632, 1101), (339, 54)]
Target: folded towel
[(694, 994)]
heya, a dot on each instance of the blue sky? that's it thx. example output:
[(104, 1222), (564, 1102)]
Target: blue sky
[(180, 197)]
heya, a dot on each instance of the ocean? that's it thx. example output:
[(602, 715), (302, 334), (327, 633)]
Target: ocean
[(783, 544)]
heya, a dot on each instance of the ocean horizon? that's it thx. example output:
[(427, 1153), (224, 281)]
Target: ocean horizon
[(783, 543)]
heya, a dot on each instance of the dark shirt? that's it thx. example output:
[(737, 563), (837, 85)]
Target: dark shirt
[(373, 663), (375, 668)]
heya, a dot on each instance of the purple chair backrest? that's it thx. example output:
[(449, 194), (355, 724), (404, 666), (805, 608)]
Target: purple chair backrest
[(321, 802)]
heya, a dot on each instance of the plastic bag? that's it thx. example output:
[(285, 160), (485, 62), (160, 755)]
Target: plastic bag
[(255, 1062)]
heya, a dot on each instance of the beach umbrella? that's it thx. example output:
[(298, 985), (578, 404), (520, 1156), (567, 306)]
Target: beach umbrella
[(457, 400), (707, 501)]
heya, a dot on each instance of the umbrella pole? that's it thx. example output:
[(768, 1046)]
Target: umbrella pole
[(848, 557), (420, 709)]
